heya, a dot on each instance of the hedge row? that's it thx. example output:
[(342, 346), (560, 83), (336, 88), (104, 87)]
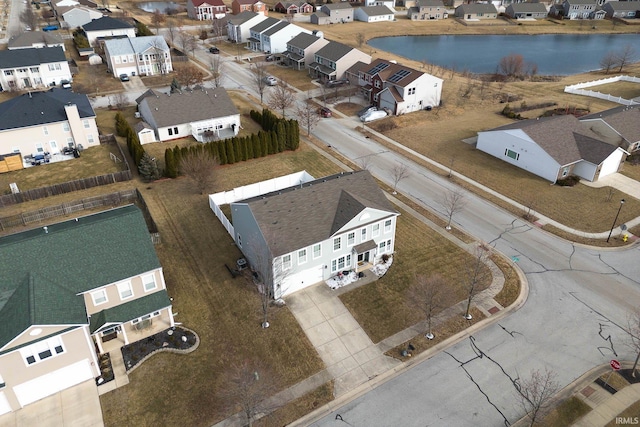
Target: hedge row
[(124, 129)]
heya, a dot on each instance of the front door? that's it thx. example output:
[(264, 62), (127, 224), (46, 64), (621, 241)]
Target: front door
[(364, 257)]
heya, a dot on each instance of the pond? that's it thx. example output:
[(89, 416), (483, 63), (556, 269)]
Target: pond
[(162, 6), (554, 54)]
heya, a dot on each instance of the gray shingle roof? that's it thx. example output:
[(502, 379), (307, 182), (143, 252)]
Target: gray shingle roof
[(333, 51), (630, 6), (28, 38), (242, 17), (300, 216), (624, 119), (31, 57), (279, 26), (582, 2), (130, 310), (303, 40), (478, 8), (429, 3), (134, 45), (186, 107), (378, 10), (106, 23), (338, 6), (528, 7), (267, 23), (39, 108), (43, 271)]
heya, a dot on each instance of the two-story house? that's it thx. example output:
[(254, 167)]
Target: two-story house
[(427, 10), (239, 26), (398, 88), (391, 4), (205, 10), (476, 12), (33, 68), (70, 291), (307, 233), (239, 6), (45, 122), (256, 38), (333, 60), (302, 48), (293, 7), (333, 13), (106, 27), (578, 9), (274, 40), (621, 9), (206, 115), (149, 55)]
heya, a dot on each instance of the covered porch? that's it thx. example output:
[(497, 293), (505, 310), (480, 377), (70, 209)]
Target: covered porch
[(364, 254), (114, 335)]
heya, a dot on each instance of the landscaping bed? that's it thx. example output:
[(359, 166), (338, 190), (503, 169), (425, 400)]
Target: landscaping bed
[(176, 338)]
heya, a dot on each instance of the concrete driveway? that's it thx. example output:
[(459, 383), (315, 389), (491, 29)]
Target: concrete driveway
[(618, 181), (77, 406)]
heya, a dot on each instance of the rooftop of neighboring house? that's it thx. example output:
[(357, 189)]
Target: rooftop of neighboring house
[(29, 38), (45, 270), (334, 51), (391, 72), (31, 57), (264, 25), (274, 29), (378, 10), (631, 6), (338, 6), (190, 106), (478, 8), (41, 108), (303, 40), (106, 23), (312, 212), (243, 17), (132, 45), (581, 2), (247, 1), (429, 3), (198, 3), (528, 7), (624, 119)]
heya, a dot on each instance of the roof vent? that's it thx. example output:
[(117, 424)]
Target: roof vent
[(46, 230), (156, 108)]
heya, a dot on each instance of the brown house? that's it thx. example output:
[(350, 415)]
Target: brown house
[(239, 6)]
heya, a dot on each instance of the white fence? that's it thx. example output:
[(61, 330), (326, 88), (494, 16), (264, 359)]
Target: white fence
[(253, 190), (577, 89)]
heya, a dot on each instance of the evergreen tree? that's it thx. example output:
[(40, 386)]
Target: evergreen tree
[(295, 135), (171, 168), (122, 125), (148, 168), (223, 152), (273, 142), (281, 132), (265, 142), (231, 153), (175, 86), (251, 146), (177, 157)]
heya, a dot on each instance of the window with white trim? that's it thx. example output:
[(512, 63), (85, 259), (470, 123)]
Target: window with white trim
[(145, 317), (125, 290), (317, 251), (351, 238), (387, 226), (337, 243), (384, 246), (90, 139), (239, 240), (65, 127), (341, 263), (363, 235), (45, 130), (302, 256), (149, 282), (375, 230), (42, 350), (99, 297), (286, 262), (86, 124)]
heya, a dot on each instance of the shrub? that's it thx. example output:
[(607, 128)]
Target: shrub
[(569, 181)]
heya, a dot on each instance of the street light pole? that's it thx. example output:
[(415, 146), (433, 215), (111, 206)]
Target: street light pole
[(615, 220)]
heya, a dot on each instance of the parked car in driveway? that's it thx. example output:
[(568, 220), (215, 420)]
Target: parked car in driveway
[(124, 78), (214, 50), (324, 112), (270, 58), (373, 115), (66, 84), (270, 80), (366, 110), (336, 83)]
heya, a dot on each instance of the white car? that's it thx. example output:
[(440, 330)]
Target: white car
[(270, 80), (373, 115)]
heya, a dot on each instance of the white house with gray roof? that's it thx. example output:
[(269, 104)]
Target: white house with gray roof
[(556, 147), (312, 230), (33, 68), (256, 38), (333, 13), (332, 61), (106, 28), (239, 26), (302, 48), (149, 55), (621, 9), (38, 39), (45, 122), (274, 40), (427, 10), (374, 14), (526, 10), (207, 114), (476, 12), (78, 16)]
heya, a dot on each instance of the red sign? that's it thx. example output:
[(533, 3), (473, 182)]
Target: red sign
[(615, 364)]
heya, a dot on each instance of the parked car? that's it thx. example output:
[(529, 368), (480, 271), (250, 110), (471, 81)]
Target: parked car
[(124, 77), (336, 83), (270, 58), (324, 112), (374, 115), (66, 84), (214, 50), (270, 80), (50, 28), (366, 111)]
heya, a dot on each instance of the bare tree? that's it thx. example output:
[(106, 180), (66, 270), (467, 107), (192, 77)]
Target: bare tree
[(608, 61), (189, 75), (365, 163), (475, 273), (452, 202), (157, 19), (633, 342), (161, 57), (172, 29), (535, 393), (426, 296), (398, 173), (201, 168), (625, 56), (250, 385), (217, 27), (360, 39), (203, 34), (281, 97), (119, 100), (511, 65), (259, 74), (187, 41), (216, 66), (27, 17), (307, 116)]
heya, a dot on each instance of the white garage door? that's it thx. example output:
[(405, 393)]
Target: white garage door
[(53, 382), (302, 280), (611, 164), (4, 404)]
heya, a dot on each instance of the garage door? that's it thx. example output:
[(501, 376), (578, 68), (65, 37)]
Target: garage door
[(53, 382), (302, 280), (4, 404)]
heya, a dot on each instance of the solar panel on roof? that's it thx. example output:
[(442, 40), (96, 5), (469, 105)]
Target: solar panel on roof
[(399, 75), (378, 68)]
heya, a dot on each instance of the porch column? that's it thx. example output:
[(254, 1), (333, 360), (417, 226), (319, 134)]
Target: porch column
[(124, 334), (98, 339), (170, 311)]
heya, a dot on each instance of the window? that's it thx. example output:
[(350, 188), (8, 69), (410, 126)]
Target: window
[(170, 131), (125, 291), (45, 130), (70, 142), (412, 91), (42, 350), (375, 230), (363, 234), (387, 226), (99, 297), (337, 243), (286, 262), (351, 238), (149, 282), (317, 251), (90, 139), (53, 145), (175, 130), (302, 256), (382, 246), (565, 172), (8, 72), (86, 124), (34, 69), (377, 83), (22, 70), (39, 148), (341, 263), (65, 127), (145, 317), (239, 240), (511, 154)]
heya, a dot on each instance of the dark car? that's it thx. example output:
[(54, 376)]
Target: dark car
[(66, 84), (336, 83), (124, 78), (214, 50), (324, 112)]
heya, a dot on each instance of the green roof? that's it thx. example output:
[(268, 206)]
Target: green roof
[(45, 270), (130, 310)]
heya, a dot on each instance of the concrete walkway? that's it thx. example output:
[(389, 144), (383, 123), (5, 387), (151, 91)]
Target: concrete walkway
[(119, 372), (605, 406)]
